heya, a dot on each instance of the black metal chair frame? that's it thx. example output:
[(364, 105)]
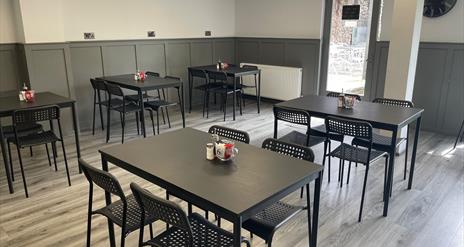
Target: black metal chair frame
[(33, 116), (97, 87), (123, 212), (268, 221), (336, 94), (357, 129), (202, 74), (160, 104), (229, 133), (125, 107), (377, 138), (460, 135), (223, 88), (243, 86), (183, 230)]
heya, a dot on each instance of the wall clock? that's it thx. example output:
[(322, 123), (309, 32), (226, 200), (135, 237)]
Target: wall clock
[(436, 8)]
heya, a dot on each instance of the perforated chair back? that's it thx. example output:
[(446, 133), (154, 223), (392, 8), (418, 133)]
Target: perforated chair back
[(172, 77), (336, 94), (218, 76), (98, 84), (290, 149), (347, 127), (155, 74), (102, 179), (292, 115), (113, 89), (163, 210), (394, 102), (37, 114), (197, 73), (233, 134)]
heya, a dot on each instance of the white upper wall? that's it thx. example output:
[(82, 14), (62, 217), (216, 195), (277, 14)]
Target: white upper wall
[(279, 18), (8, 27), (43, 20), (447, 28)]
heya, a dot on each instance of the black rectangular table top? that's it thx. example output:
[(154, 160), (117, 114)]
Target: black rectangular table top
[(8, 104), (379, 115), (178, 159), (232, 70), (150, 83)]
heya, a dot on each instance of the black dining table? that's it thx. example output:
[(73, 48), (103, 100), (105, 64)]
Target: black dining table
[(234, 71), (234, 190), (150, 83), (380, 116), (11, 103)]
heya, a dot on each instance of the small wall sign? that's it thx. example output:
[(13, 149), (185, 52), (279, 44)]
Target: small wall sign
[(351, 12)]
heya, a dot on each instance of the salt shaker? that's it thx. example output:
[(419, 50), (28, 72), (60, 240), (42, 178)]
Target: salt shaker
[(210, 151)]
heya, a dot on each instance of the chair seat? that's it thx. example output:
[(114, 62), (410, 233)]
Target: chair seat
[(354, 154), (155, 104), (114, 212), (266, 222), (379, 142), (300, 139), (114, 102), (135, 97), (35, 139), (204, 234), (131, 107), (23, 129)]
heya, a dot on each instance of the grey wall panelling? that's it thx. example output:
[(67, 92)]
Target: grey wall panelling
[(12, 68), (439, 83), (303, 53)]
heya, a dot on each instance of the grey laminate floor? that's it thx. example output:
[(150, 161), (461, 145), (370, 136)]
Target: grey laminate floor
[(431, 214)]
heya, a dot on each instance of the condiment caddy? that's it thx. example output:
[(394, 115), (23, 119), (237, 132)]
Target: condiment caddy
[(224, 150), (346, 101), (140, 76), (26, 94)]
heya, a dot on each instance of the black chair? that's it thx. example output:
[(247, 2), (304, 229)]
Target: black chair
[(347, 152), (23, 130), (115, 92), (255, 86), (98, 86), (194, 230), (336, 94), (223, 89), (299, 117), (381, 142), (202, 75), (32, 116), (124, 212), (232, 134), (160, 104), (267, 222)]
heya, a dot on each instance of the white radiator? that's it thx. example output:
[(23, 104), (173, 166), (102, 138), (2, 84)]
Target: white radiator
[(277, 82)]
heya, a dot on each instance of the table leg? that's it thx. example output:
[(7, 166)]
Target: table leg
[(180, 95), (237, 231), (108, 202), (76, 132), (317, 196), (414, 151), (142, 115), (5, 160), (259, 91), (190, 92), (234, 98), (391, 164)]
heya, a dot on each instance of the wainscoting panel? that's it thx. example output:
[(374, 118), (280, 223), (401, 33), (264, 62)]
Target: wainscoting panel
[(439, 84), (151, 57), (224, 50), (9, 68), (302, 53), (119, 59)]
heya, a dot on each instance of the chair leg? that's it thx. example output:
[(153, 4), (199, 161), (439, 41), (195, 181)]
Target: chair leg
[(157, 121), (152, 122), (65, 161), (93, 116), (363, 192), (137, 122), (30, 151), (123, 235), (151, 231), (101, 117), (54, 155), (108, 120), (89, 217), (342, 164), (167, 116), (48, 155), (123, 124), (11, 160), (240, 103), (301, 192), (348, 175), (385, 174), (339, 169), (22, 170), (406, 157)]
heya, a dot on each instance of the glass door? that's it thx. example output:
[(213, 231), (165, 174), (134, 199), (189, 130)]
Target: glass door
[(349, 46)]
